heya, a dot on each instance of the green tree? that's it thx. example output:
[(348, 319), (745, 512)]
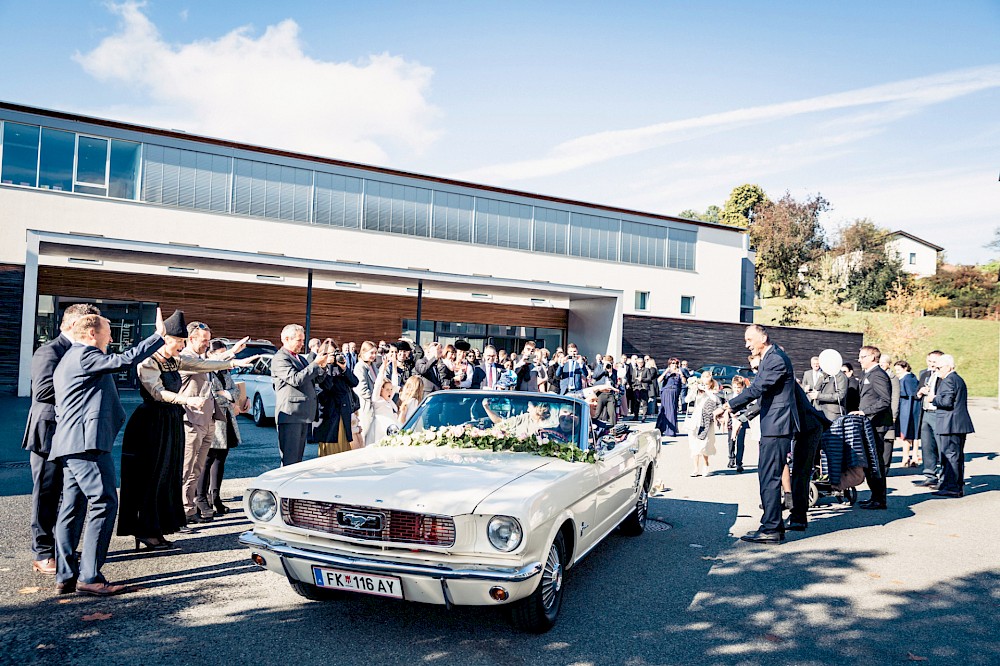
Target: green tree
[(711, 214), (743, 204), (871, 270), (787, 235), (970, 289)]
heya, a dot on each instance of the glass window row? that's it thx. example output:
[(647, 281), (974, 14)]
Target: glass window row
[(67, 161)]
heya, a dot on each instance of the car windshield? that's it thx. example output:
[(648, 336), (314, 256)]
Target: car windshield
[(551, 417)]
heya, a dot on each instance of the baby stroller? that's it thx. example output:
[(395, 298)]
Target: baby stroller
[(820, 485)]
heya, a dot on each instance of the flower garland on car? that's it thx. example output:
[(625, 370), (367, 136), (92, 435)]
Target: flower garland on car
[(493, 439)]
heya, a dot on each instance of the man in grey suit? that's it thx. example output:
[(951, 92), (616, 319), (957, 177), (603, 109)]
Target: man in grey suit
[(953, 424), (294, 392), (46, 476), (812, 379), (89, 415)]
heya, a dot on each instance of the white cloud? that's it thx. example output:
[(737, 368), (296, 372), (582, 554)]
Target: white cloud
[(897, 100), (265, 90)]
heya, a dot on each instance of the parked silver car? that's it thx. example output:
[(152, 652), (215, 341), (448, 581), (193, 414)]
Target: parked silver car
[(260, 389)]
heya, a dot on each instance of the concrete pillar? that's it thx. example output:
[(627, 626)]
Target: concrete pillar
[(29, 306)]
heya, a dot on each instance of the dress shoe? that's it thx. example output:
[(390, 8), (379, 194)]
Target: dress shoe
[(873, 506), (150, 543), (66, 586), (732, 463), (947, 493), (46, 566), (763, 537), (186, 529), (795, 526), (739, 469), (99, 589), (926, 483)]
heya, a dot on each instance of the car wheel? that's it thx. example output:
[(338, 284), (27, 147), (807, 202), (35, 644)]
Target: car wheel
[(537, 614), (257, 411), (314, 593), (635, 524)]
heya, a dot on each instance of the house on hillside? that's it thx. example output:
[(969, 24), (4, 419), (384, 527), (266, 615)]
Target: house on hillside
[(919, 257)]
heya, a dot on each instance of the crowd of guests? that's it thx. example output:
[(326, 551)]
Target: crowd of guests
[(884, 402), (345, 396)]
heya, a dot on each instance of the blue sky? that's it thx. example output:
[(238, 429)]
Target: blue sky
[(891, 110)]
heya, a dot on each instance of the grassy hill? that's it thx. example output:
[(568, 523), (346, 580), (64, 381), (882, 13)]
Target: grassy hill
[(973, 342)]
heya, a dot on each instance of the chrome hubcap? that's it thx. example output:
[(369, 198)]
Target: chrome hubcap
[(551, 578), (642, 506)]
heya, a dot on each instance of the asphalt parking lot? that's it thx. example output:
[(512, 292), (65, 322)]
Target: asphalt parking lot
[(918, 582)]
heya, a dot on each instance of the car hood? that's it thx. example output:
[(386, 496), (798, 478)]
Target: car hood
[(421, 479)]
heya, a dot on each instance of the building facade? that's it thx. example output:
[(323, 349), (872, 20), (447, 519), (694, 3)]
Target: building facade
[(919, 257), (249, 239)]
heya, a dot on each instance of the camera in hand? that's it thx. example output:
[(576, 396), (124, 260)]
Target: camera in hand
[(339, 358)]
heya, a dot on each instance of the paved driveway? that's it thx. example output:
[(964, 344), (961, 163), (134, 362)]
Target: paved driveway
[(921, 580)]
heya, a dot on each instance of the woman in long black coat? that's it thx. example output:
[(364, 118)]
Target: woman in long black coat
[(336, 404), (151, 504), (670, 390)]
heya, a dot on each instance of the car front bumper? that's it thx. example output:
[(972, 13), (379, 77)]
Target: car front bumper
[(468, 585)]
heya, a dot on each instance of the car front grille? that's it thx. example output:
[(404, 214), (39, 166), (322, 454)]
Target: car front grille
[(379, 524)]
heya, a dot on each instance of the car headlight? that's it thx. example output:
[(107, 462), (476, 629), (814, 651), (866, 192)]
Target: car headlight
[(263, 505), (504, 533)]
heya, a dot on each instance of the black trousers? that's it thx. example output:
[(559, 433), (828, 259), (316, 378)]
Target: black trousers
[(884, 448), (952, 463), (803, 461), (773, 454), (210, 482), (606, 408), (292, 442), (46, 489), (640, 402), (737, 444)]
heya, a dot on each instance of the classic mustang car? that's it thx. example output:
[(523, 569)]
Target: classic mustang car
[(484, 498)]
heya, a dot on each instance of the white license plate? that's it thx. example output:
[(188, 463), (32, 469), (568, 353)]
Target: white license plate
[(338, 579)]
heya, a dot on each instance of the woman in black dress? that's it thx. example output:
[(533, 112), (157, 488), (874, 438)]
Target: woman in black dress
[(151, 504), (336, 395)]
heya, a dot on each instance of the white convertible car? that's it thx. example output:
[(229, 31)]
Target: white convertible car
[(486, 498)]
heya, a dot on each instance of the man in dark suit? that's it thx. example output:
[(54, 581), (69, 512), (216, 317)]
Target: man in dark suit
[(294, 392), (490, 368), (774, 388), (875, 402), (953, 424), (46, 475), (89, 415), (930, 449)]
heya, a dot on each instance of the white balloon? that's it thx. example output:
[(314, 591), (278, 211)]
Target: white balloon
[(830, 361)]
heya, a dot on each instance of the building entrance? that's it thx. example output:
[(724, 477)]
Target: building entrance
[(509, 338), (130, 322)]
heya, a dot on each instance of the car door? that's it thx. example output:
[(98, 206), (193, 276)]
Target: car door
[(617, 475)]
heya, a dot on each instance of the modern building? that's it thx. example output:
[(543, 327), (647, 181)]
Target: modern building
[(248, 239), (919, 257)]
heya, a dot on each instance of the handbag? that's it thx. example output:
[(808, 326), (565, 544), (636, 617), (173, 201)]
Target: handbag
[(355, 401)]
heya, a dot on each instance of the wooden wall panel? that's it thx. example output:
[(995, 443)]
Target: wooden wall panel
[(702, 342), (234, 309), (11, 296)]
